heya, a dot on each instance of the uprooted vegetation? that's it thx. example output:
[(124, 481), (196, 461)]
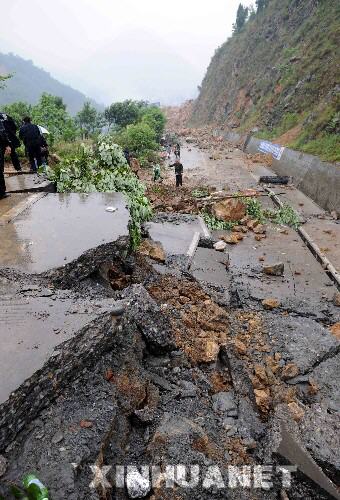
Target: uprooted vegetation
[(103, 168)]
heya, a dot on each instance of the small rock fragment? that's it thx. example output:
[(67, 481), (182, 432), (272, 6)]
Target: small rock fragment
[(232, 239), (336, 299), (153, 249), (85, 424), (335, 330), (260, 229), (220, 246), (270, 304), (262, 399), (274, 269), (289, 371), (137, 485), (58, 436), (296, 411)]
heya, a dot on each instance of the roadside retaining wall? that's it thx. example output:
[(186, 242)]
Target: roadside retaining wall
[(317, 179)]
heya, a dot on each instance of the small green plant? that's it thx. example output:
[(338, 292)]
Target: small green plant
[(254, 208), (200, 193), (215, 224), (33, 489), (285, 215)]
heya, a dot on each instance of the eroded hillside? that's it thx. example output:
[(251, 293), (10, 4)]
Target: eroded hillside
[(279, 74)]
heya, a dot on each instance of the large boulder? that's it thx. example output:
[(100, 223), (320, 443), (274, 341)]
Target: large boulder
[(229, 210)]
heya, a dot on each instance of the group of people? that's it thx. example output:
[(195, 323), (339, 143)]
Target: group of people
[(34, 142), (177, 165)]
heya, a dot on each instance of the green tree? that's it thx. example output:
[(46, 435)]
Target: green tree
[(139, 139), (155, 118), (50, 112), (241, 18), (18, 110), (88, 119), (3, 79), (124, 113), (261, 4)]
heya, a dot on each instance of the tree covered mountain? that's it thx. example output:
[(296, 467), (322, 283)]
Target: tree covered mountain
[(29, 82)]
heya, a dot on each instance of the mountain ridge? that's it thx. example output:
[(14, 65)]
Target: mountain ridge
[(29, 82)]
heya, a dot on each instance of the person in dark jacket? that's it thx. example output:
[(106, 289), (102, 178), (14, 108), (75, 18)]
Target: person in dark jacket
[(11, 129), (32, 138), (5, 148), (178, 172)]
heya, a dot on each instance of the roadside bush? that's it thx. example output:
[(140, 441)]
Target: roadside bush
[(139, 139), (155, 118)]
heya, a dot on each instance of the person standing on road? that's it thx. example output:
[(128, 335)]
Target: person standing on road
[(11, 130), (156, 173), (5, 148), (178, 172), (31, 137), (178, 151), (168, 150)]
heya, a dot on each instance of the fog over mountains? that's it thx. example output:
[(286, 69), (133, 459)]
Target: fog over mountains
[(135, 65)]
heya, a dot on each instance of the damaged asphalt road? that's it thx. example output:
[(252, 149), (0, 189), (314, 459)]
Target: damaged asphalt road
[(194, 357), (169, 376)]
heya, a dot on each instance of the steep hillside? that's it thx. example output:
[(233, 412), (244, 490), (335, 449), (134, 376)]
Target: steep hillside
[(29, 82), (280, 74)]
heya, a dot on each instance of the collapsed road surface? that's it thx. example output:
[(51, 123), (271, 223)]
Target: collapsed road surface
[(177, 355)]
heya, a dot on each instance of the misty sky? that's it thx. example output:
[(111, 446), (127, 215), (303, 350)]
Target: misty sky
[(113, 50)]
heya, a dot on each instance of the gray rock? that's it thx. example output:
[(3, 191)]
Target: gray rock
[(145, 312), (223, 402), (58, 437)]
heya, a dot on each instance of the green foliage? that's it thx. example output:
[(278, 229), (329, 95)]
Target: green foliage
[(215, 224), (3, 79), (261, 4), (327, 146), (89, 120), (254, 208), (50, 112), (155, 118), (32, 489), (139, 139), (124, 113), (241, 18), (104, 169), (286, 215), (200, 192), (18, 110)]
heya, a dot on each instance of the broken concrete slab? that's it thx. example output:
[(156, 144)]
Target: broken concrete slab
[(178, 233), (59, 228), (301, 341), (29, 184), (310, 445), (41, 330), (305, 287)]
